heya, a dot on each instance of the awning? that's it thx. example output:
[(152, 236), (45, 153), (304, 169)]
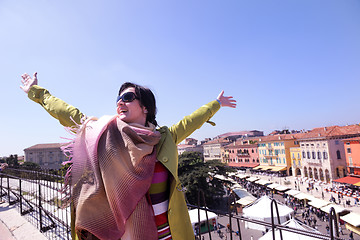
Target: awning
[(248, 165), (348, 180), (337, 208), (357, 184), (252, 179), (258, 167), (263, 182), (352, 218), (241, 176), (302, 196), (292, 192), (277, 169), (282, 188), (246, 201), (272, 186), (318, 203)]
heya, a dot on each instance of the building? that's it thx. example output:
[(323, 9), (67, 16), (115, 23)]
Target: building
[(295, 159), (241, 154), (274, 152), (213, 150), (47, 156), (352, 153), (323, 153), (232, 136)]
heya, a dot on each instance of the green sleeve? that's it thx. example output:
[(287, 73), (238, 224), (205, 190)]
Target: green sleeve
[(55, 106), (194, 121)]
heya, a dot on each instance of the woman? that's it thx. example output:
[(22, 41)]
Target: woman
[(124, 173)]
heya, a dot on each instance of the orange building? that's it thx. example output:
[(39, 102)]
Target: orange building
[(352, 153)]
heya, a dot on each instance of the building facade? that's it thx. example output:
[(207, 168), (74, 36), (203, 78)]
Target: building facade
[(323, 153), (241, 155), (274, 152), (352, 153), (48, 156), (213, 150), (295, 159)]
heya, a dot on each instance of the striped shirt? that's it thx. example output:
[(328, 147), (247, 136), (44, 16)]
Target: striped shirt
[(159, 196)]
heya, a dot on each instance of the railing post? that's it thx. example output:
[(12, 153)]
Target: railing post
[(273, 202), (21, 210), (40, 213), (333, 220), (8, 187)]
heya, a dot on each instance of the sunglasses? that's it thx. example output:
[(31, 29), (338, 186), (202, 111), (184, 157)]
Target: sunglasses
[(127, 97)]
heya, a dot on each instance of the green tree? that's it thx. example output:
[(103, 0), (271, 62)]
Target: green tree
[(195, 175), (31, 166)]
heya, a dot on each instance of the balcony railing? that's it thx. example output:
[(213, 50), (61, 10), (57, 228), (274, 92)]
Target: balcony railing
[(36, 195)]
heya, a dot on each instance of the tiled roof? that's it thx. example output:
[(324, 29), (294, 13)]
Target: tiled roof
[(332, 131), (219, 140), (46, 145), (281, 137)]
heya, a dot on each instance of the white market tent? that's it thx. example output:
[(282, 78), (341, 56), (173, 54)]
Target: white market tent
[(263, 182), (272, 186), (292, 192), (252, 179), (352, 218), (195, 219), (282, 188), (338, 209), (302, 196), (318, 203), (293, 223), (261, 210)]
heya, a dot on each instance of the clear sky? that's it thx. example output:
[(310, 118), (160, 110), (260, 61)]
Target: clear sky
[(289, 64)]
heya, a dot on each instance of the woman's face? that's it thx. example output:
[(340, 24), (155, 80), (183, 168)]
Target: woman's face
[(131, 112)]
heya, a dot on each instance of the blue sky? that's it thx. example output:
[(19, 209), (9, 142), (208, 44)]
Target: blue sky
[(293, 64)]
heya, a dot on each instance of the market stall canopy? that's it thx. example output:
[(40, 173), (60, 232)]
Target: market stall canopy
[(258, 167), (292, 223), (348, 180), (241, 176), (246, 200), (194, 218), (292, 192), (318, 203), (337, 208), (352, 218), (236, 185), (263, 182), (261, 210), (282, 188), (302, 196), (252, 179), (272, 186), (241, 193)]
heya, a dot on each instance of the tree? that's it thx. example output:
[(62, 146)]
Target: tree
[(195, 175)]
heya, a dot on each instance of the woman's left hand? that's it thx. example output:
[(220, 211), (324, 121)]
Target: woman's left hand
[(226, 101)]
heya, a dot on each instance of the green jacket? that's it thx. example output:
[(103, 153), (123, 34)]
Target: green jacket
[(167, 153)]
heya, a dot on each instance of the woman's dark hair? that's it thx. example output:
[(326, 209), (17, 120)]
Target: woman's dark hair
[(146, 98)]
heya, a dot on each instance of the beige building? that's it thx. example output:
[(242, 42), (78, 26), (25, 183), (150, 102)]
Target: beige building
[(48, 156), (213, 150), (323, 153)]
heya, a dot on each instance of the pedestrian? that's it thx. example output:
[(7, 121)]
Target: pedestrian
[(351, 235), (327, 229), (127, 146)]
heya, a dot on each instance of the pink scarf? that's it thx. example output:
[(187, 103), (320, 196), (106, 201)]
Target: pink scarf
[(113, 165)]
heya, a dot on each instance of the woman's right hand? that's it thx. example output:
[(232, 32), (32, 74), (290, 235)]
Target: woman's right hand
[(27, 82)]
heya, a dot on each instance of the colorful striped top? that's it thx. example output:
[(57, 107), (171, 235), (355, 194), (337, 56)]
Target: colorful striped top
[(159, 196)]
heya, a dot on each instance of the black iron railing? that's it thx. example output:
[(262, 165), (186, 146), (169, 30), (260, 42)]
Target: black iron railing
[(38, 198)]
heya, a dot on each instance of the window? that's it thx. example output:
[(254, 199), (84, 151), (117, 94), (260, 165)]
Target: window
[(308, 155), (313, 155), (319, 155), (348, 150), (336, 142), (325, 155), (303, 154), (350, 161), (338, 155), (293, 156)]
